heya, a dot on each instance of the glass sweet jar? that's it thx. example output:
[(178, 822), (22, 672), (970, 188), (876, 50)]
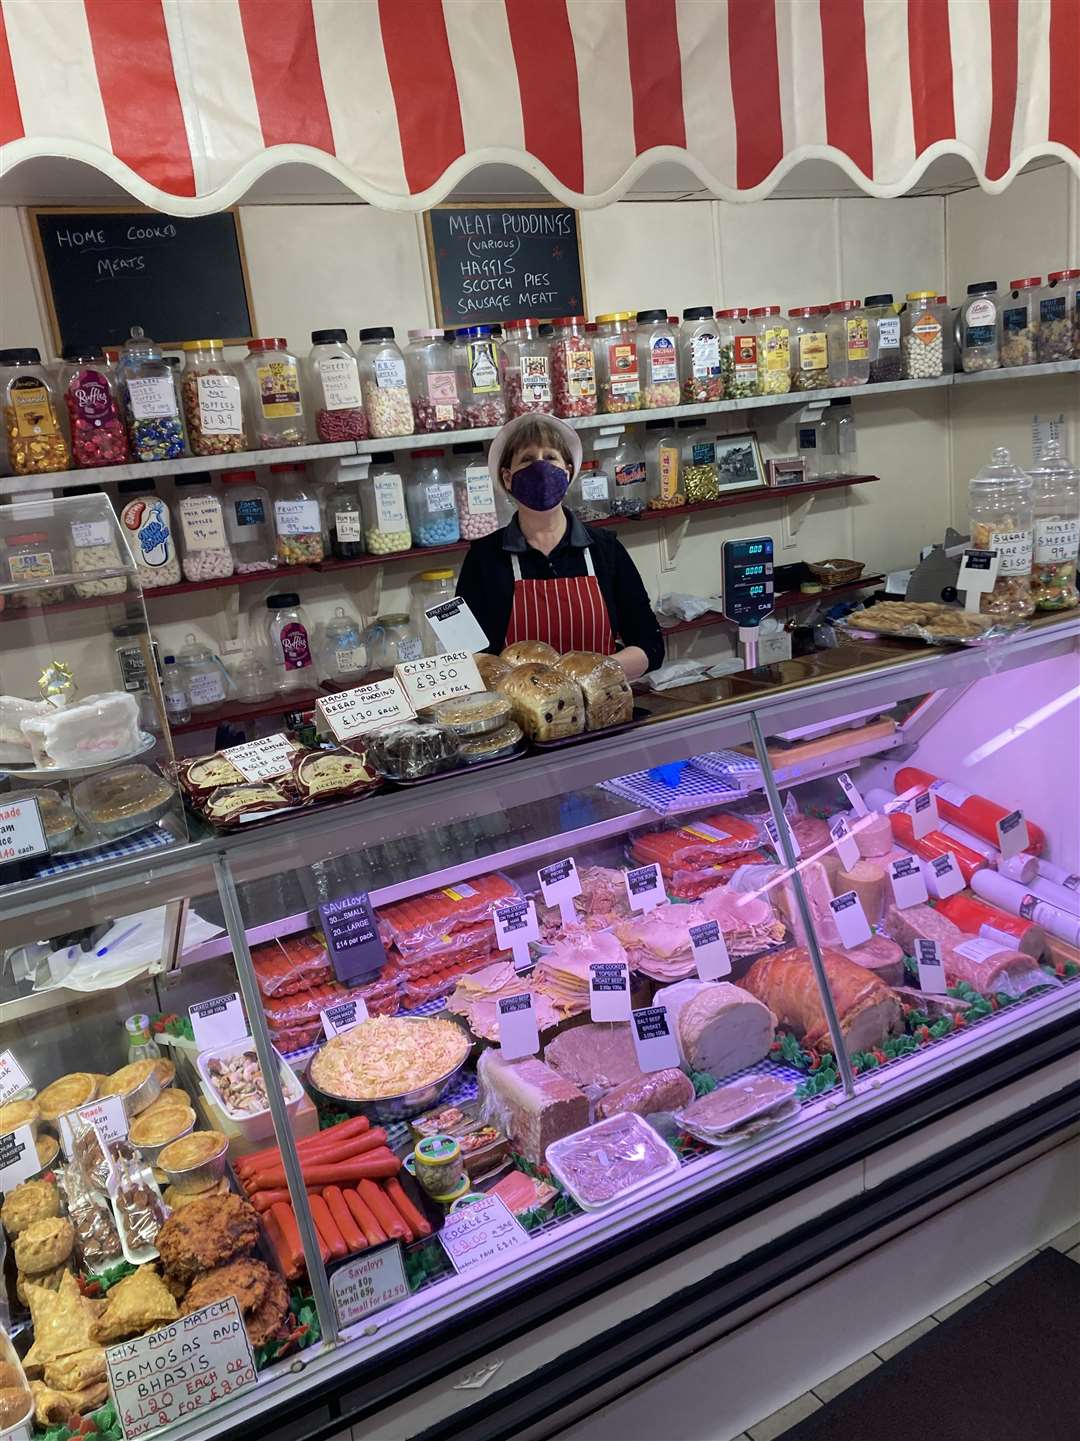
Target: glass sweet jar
[(35, 439), (340, 650), (212, 405), (334, 396), (1001, 516), (148, 525), (289, 638), (98, 434), (573, 368), (297, 516), (151, 396), (390, 640), (923, 336), (431, 374), (480, 505), (249, 522), (1055, 493), (276, 403), (205, 548), (658, 359), (618, 376), (382, 507), (699, 356), (738, 353), (429, 496), (382, 381), (1020, 321), (528, 368), (479, 357), (980, 328)]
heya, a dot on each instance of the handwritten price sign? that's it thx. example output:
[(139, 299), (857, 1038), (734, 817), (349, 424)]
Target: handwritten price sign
[(481, 1233)]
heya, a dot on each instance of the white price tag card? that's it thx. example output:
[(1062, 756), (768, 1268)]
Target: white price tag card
[(515, 926), (943, 876), (263, 759), (219, 1021), (644, 887), (518, 1035), (924, 814), (710, 951), (336, 1020), (978, 574), (851, 919), (482, 1233), (846, 846), (18, 1158), (13, 1078), (654, 1039), (908, 886), (107, 1116), (436, 677), (773, 833), (455, 626), (851, 790), (609, 991), (368, 1283), (559, 883), (21, 832), (931, 967), (180, 1370), (352, 712), (1012, 834)]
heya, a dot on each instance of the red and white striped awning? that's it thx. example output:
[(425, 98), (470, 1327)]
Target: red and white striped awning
[(185, 103)]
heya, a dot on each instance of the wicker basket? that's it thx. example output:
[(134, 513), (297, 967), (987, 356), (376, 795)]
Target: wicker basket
[(836, 572)]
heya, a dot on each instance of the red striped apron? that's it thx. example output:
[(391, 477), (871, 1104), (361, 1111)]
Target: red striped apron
[(568, 613)]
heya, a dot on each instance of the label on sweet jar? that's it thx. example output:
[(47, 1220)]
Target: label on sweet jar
[(33, 409), (777, 341), (667, 459), (442, 387), (483, 367), (1052, 308), (927, 330), (703, 452), (536, 379), (31, 565), (888, 333), (88, 396), (979, 320), (249, 510), (858, 338), (1014, 319), (295, 649), (479, 490), (350, 658), (297, 517), (631, 473), (279, 389), (744, 356), (705, 356), (219, 405), (340, 383), (814, 350), (347, 525), (390, 503), (149, 520), (1057, 539), (389, 372), (151, 397), (580, 371), (91, 532), (439, 497), (622, 367), (594, 486), (205, 687), (1014, 548), (663, 365), (202, 523)]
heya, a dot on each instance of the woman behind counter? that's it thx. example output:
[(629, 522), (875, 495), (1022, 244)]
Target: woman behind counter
[(546, 576)]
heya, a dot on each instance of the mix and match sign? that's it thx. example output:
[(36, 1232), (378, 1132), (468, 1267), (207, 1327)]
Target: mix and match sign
[(353, 936), (437, 677), (609, 991), (218, 1021), (481, 1232), (21, 831), (654, 1040), (368, 1283), (263, 759), (351, 712)]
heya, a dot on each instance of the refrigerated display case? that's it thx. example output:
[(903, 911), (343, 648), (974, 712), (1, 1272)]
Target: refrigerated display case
[(651, 1174)]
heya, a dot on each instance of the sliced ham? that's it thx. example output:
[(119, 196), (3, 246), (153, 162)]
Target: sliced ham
[(774, 883), (882, 956)]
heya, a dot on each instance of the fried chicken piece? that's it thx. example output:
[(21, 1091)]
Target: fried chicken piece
[(207, 1234), (268, 1316), (245, 1279)]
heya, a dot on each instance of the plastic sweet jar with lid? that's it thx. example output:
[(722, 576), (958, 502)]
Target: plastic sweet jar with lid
[(35, 439), (883, 328), (528, 368), (148, 526), (382, 507), (658, 359), (476, 495), (922, 336), (31, 558), (391, 641), (849, 343), (1020, 321), (773, 350), (1000, 512), (297, 516), (204, 545), (149, 389), (432, 377), (429, 496), (251, 674), (95, 553), (1058, 336), (249, 522), (698, 468), (98, 433), (618, 375), (738, 353), (276, 402), (662, 468), (289, 637), (213, 409), (589, 496), (333, 387), (480, 363), (573, 368), (625, 470), (980, 328), (344, 521), (429, 588), (810, 436), (1055, 494), (810, 368), (342, 654), (205, 677), (699, 356)]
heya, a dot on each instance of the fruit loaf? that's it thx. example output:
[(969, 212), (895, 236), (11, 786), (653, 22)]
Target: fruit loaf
[(492, 669), (547, 705), (719, 1028), (609, 701), (532, 1103), (522, 652), (786, 982)]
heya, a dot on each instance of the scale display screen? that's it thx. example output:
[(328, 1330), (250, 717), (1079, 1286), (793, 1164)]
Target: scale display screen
[(748, 580)]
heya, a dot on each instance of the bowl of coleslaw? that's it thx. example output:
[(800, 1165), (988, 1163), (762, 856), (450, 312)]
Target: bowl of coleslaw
[(390, 1067)]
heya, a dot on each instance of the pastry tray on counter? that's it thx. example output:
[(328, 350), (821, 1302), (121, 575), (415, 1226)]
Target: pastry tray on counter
[(639, 714)]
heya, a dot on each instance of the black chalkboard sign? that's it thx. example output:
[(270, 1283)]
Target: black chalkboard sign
[(491, 263), (107, 270)]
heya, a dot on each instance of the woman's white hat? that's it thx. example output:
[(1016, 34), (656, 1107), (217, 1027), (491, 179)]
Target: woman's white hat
[(503, 444)]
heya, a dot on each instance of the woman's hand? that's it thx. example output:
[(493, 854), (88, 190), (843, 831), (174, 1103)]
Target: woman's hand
[(633, 660)]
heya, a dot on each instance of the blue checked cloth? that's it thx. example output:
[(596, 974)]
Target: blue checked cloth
[(693, 791), (154, 840), (730, 766)]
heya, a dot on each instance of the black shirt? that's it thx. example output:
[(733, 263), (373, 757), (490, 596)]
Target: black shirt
[(487, 581)]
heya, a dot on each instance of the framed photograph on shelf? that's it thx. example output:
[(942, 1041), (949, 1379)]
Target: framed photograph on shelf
[(738, 462)]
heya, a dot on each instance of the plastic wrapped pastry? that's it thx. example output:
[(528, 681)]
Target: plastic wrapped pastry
[(609, 700), (548, 706), (412, 750), (492, 668), (524, 652), (98, 729)]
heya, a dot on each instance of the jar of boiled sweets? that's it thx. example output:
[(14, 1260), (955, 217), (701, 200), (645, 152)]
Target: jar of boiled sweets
[(923, 327), (344, 522), (773, 350), (662, 468), (698, 460), (573, 369), (342, 655), (428, 589), (479, 356), (810, 368), (980, 328), (738, 353), (382, 506), (333, 383), (589, 496), (35, 439), (382, 381), (625, 470), (98, 434), (297, 516), (475, 493), (658, 359), (1020, 321), (618, 375), (1058, 336), (849, 343), (212, 405), (528, 368), (148, 525), (276, 403), (699, 356), (1055, 494), (432, 378), (149, 390), (204, 545), (1001, 515), (249, 522), (883, 328), (429, 496)]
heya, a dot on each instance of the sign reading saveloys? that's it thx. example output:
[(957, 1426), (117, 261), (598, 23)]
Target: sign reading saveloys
[(504, 262)]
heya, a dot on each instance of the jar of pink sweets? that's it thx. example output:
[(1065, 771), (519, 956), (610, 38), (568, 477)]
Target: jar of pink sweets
[(528, 368), (98, 433), (476, 497), (432, 377), (573, 368), (333, 378), (480, 365)]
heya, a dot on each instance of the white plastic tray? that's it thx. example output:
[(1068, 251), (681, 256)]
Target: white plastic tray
[(596, 1133)]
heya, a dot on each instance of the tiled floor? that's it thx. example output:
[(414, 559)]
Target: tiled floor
[(780, 1421)]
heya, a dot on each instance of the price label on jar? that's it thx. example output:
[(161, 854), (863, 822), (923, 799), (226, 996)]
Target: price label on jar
[(943, 876), (21, 832), (218, 1022), (851, 919), (978, 575), (908, 885), (710, 951), (560, 884), (262, 759), (644, 888), (654, 1039), (480, 491), (931, 966), (455, 626), (518, 1035), (351, 712), (13, 1078), (219, 405), (1012, 834), (846, 847), (609, 991), (437, 677)]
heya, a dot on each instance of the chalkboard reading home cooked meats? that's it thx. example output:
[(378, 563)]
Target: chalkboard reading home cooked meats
[(492, 263)]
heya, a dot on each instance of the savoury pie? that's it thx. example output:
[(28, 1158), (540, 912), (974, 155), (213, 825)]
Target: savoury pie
[(30, 1202), (66, 1094), (44, 1245)]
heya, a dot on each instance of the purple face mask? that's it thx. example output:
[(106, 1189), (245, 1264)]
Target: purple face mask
[(539, 485)]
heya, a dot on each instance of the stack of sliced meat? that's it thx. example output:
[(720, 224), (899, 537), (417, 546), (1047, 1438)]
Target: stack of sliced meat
[(476, 997), (297, 981), (601, 903), (564, 973), (658, 944)]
